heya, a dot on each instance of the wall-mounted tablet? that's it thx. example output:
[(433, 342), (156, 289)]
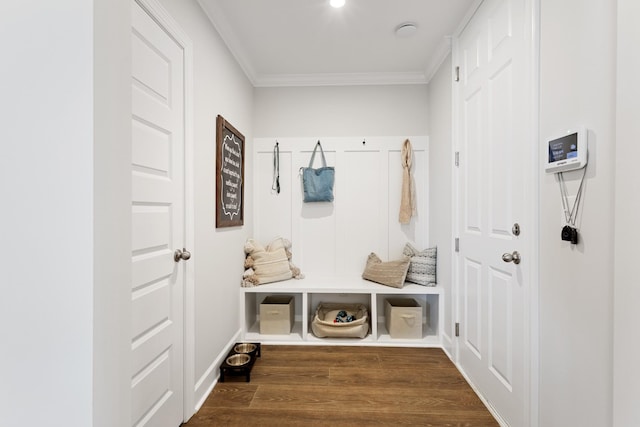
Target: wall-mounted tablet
[(567, 151)]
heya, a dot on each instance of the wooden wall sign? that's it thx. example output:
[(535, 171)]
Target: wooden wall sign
[(229, 175)]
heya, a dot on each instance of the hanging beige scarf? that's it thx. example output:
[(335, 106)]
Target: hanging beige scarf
[(408, 197)]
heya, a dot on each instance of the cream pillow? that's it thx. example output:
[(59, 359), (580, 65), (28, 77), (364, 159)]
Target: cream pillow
[(270, 264), (391, 273)]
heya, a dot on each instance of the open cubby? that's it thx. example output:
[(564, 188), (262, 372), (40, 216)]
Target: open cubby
[(310, 292)]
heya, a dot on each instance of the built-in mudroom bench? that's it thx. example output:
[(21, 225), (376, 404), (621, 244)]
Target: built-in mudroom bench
[(310, 292), (331, 241)]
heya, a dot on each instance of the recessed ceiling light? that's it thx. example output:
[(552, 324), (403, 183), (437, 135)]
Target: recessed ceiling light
[(406, 30), (336, 3)]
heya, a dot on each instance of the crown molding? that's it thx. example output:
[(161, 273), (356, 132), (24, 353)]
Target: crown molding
[(219, 21), (226, 33), (340, 79), (442, 51), (467, 17)]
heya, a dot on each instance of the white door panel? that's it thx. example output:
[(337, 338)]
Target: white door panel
[(152, 341), (472, 310), (152, 225), (500, 333), (152, 392), (146, 187), (151, 148), (150, 60), (493, 160), (148, 110), (472, 148), (151, 307), (157, 217), (149, 267)]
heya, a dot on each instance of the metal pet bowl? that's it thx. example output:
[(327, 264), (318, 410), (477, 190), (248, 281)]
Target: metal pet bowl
[(245, 348), (238, 359)]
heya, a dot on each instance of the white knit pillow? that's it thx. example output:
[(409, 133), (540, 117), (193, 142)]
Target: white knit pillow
[(422, 269)]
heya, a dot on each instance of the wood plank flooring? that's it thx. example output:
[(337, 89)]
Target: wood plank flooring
[(346, 387)]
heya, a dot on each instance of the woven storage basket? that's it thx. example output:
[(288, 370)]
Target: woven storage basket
[(323, 325)]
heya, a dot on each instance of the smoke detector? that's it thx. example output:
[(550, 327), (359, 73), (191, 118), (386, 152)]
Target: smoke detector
[(406, 29)]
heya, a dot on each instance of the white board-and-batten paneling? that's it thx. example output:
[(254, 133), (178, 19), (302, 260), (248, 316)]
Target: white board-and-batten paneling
[(331, 239)]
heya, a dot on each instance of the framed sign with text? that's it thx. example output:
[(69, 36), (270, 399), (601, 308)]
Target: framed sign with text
[(229, 175)]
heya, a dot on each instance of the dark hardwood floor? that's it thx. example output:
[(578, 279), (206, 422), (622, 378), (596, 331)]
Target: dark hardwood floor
[(345, 387)]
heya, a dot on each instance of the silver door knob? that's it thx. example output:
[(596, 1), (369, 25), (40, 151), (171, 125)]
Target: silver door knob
[(181, 255), (514, 257)]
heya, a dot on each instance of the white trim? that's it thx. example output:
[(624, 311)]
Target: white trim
[(455, 185), (449, 340), (467, 17), (205, 384), (455, 146), (531, 335), (339, 79), (219, 22), (189, 215), (164, 19), (534, 303), (484, 401), (437, 58)]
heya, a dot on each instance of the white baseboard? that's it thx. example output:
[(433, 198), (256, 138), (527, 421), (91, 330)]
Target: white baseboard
[(486, 403), (205, 384), (447, 346)]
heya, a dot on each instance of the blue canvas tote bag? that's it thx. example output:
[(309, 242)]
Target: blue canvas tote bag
[(318, 183)]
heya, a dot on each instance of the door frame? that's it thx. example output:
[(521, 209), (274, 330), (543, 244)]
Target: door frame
[(532, 328), (169, 24)]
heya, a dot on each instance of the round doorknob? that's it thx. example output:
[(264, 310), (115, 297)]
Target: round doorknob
[(514, 257), (181, 255)]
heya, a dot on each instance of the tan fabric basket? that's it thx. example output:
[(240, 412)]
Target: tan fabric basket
[(323, 326)]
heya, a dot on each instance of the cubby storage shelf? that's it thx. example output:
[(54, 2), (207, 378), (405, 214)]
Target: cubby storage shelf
[(311, 291)]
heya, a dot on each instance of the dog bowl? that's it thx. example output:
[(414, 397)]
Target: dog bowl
[(245, 348), (238, 359)]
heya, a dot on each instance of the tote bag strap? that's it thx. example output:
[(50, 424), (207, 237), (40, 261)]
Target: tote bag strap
[(313, 156), (276, 168)]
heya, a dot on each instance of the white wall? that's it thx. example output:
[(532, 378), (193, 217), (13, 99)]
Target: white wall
[(65, 222), (305, 113), (63, 312), (626, 370), (341, 111), (334, 239), (577, 84), (441, 187), (46, 220), (112, 214), (220, 87)]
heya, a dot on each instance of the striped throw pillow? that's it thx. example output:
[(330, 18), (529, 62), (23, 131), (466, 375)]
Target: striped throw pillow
[(422, 269)]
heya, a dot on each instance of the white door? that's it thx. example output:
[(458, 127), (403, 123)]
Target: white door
[(158, 224), (494, 160)]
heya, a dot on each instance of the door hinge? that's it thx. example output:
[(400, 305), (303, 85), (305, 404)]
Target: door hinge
[(457, 159), (457, 244), (457, 74), (457, 329)]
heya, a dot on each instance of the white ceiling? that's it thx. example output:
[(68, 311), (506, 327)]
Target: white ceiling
[(307, 42)]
